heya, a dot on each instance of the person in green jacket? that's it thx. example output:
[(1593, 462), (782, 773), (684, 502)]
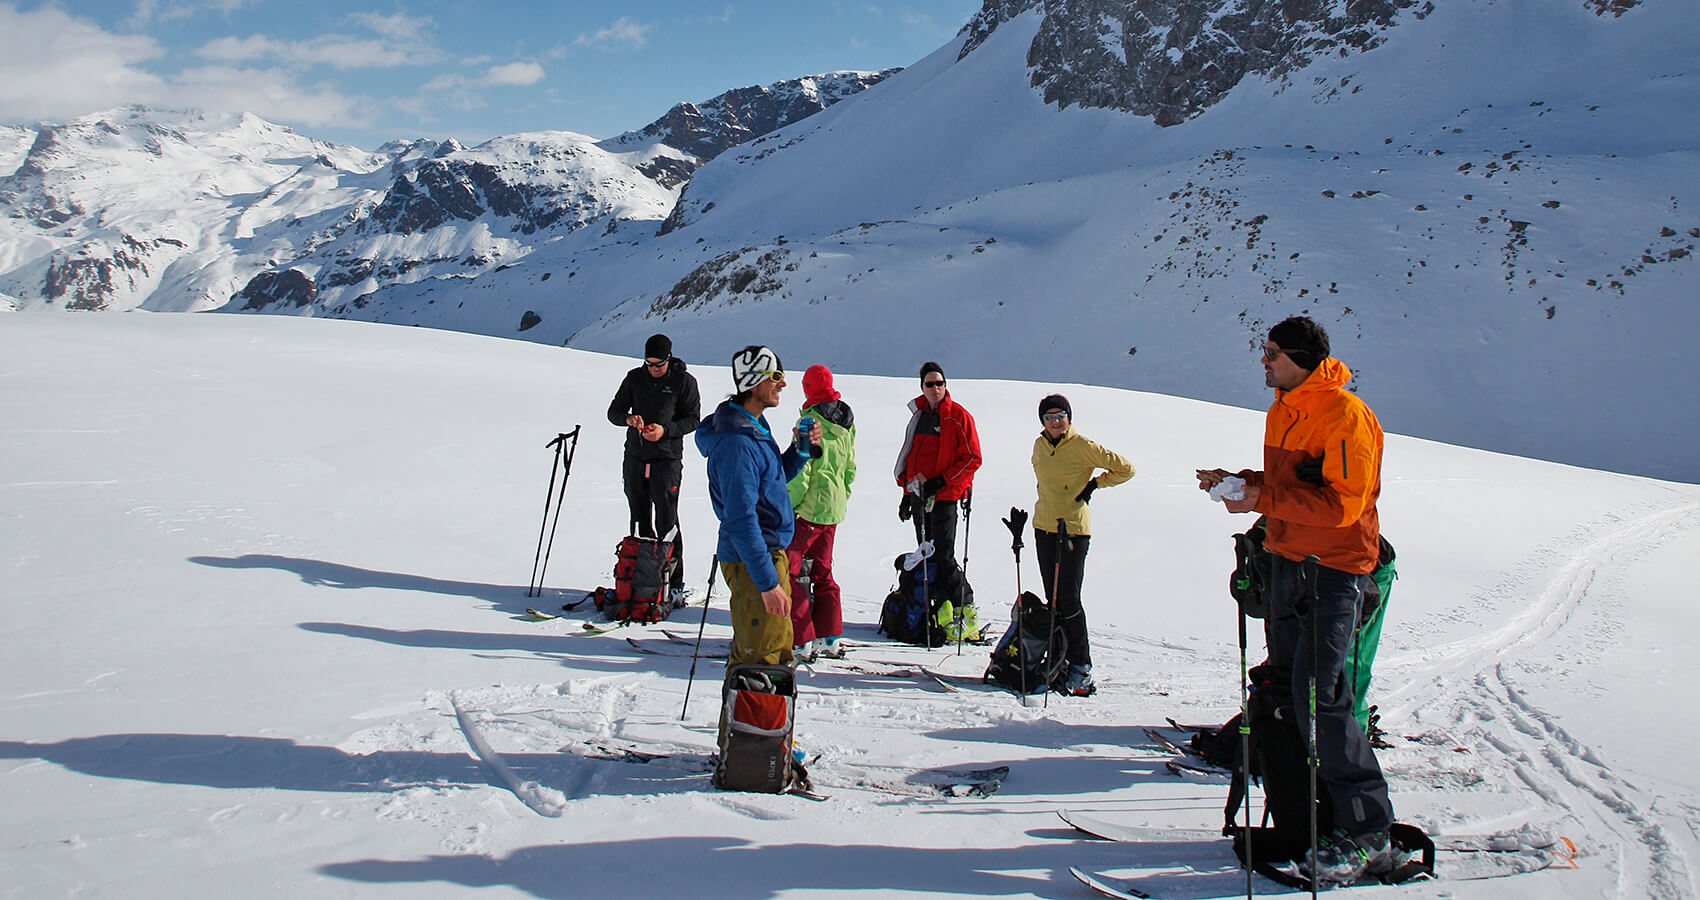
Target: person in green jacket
[(1064, 462), (820, 494)]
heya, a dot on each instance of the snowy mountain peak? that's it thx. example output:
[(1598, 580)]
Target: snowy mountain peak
[(709, 129)]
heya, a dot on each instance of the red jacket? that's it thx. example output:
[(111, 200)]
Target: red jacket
[(1335, 520), (940, 442)]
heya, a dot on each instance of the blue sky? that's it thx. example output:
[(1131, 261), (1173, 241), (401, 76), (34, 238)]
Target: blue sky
[(364, 74)]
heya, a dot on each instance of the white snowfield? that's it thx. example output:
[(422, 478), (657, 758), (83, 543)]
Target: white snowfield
[(252, 566)]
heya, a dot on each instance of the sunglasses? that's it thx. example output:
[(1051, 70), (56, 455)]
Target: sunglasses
[(1268, 352), (656, 364), (1054, 417), (933, 384), (774, 374)]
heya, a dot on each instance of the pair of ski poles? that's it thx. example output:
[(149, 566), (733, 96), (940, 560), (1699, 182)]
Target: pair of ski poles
[(564, 445)]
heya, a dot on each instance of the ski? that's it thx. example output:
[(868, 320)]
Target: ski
[(1162, 741), (540, 616), (1183, 768), (955, 784), (1109, 887), (602, 627), (1463, 843), (1498, 866), (669, 649), (944, 783)]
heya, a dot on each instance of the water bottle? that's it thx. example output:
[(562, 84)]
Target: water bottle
[(804, 425)]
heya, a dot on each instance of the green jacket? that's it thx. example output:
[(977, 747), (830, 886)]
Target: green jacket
[(821, 492)]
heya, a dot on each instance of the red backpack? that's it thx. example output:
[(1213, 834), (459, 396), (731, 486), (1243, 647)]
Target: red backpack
[(642, 569)]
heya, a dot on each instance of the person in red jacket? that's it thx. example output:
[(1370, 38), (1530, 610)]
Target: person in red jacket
[(935, 469)]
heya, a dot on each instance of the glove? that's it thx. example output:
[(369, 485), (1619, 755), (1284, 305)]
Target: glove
[(932, 487), (1085, 495), (1016, 523), (1310, 470), (904, 510)]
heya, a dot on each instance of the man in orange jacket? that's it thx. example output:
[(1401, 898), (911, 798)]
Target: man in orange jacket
[(1320, 479)]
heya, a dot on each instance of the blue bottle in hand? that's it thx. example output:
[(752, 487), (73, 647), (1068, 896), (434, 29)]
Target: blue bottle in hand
[(804, 425)]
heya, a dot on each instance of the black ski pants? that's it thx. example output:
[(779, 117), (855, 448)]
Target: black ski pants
[(652, 491), (939, 526), (1345, 760), (1062, 587)]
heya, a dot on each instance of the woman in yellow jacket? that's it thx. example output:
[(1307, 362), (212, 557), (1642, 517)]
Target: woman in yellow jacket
[(1064, 462)]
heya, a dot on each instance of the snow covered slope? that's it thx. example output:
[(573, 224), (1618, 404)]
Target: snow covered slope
[(252, 565)]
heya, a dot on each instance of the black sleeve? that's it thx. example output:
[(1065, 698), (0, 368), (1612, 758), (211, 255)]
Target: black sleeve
[(622, 405), (687, 412)]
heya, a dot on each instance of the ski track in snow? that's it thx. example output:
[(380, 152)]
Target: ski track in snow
[(1469, 686)]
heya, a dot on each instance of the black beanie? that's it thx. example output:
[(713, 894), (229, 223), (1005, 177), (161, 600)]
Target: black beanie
[(658, 347), (1304, 341), (930, 366), (1056, 401)]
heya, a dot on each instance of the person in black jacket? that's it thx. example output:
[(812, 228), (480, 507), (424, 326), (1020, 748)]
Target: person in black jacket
[(658, 404)]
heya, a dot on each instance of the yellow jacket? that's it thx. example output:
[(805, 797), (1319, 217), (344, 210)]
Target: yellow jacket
[(1063, 470)]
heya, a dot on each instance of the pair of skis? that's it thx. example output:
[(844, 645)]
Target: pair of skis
[(929, 784), (1471, 857)]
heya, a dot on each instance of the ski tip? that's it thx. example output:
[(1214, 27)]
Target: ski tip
[(1106, 886)]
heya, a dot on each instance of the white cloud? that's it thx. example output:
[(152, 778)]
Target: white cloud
[(516, 74), (399, 27), (623, 31), (149, 11), (271, 94), (55, 66), (336, 51), (400, 40)]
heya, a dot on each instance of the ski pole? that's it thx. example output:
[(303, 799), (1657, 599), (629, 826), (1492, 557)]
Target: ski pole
[(1016, 523), (962, 587), (548, 501), (566, 472), (1308, 591), (713, 567), (925, 510), (1245, 739), (1056, 586)]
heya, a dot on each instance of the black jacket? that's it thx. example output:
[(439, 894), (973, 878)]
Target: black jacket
[(672, 400)]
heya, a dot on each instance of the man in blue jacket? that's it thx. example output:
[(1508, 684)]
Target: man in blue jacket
[(747, 483)]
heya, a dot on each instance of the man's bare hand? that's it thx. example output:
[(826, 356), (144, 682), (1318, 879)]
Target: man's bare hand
[(634, 421), (776, 602), (1209, 478), (1245, 504), (652, 433)]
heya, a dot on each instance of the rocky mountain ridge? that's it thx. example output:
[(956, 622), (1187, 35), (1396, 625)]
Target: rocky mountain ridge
[(178, 211)]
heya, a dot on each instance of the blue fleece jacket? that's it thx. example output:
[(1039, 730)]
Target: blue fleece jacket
[(747, 477)]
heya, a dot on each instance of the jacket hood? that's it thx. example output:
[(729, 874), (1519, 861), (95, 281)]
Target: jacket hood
[(835, 411), (1331, 374), (727, 421)]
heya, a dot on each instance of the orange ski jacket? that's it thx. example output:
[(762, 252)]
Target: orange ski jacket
[(1335, 520)]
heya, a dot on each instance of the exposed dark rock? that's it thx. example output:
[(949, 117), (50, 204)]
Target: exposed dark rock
[(289, 286), (90, 278), (1615, 7), (728, 273), (711, 128), (529, 320), (1172, 59), (668, 171)]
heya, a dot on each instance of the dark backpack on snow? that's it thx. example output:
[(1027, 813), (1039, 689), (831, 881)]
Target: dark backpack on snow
[(1032, 655)]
